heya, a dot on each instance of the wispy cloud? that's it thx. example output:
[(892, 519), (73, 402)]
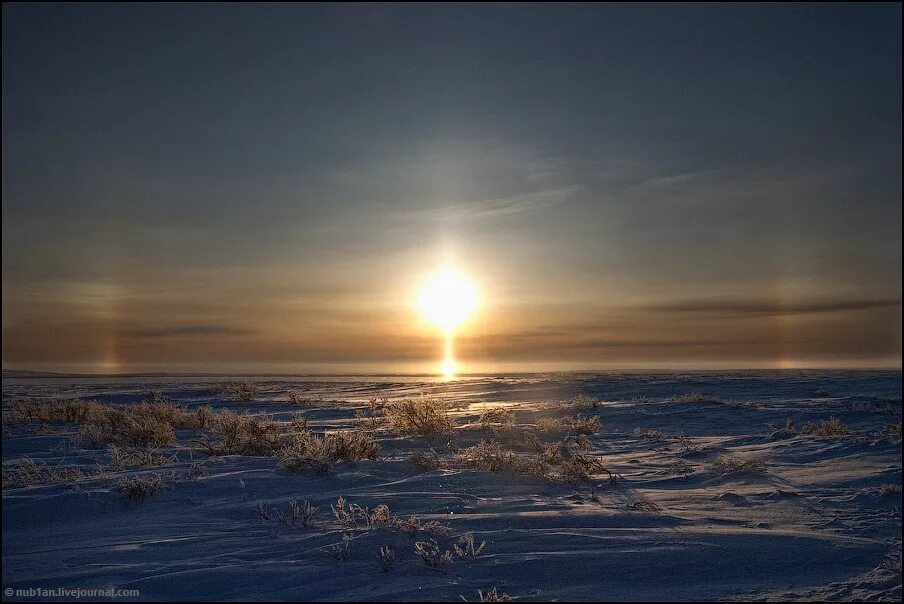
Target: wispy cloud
[(500, 207)]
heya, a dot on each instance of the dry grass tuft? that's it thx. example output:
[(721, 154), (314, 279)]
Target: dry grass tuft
[(892, 431), (150, 423), (123, 458), (830, 428), (342, 550), (698, 398), (649, 434), (28, 472), (558, 461), (644, 504), (490, 596), (298, 514), (387, 559), (884, 489), (352, 517), (263, 511), (788, 429), (678, 468), (571, 425), (729, 464)]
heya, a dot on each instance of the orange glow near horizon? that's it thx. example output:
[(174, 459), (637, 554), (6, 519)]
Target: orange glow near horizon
[(447, 299)]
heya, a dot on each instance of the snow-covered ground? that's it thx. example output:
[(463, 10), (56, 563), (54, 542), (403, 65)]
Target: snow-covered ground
[(816, 517)]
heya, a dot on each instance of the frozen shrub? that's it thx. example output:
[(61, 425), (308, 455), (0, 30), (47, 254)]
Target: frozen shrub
[(425, 461), (303, 514), (126, 429), (418, 417), (490, 456), (204, 417), (306, 451), (413, 525), (245, 434), (581, 468), (497, 418), (163, 410), (147, 432), (351, 516), (139, 488), (465, 547), (379, 516), (350, 445), (432, 556), (243, 391), (372, 418), (73, 411), (586, 402)]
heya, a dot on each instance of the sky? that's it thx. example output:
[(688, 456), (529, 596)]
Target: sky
[(229, 187)]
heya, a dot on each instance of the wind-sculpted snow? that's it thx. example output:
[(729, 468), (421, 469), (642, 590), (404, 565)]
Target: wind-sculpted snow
[(706, 485)]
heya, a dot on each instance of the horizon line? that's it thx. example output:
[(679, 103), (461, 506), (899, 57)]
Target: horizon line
[(26, 373)]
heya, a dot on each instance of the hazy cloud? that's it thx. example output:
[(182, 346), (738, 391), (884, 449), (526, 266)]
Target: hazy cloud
[(188, 330), (743, 308)]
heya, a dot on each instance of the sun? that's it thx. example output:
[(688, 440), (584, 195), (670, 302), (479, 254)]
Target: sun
[(448, 298)]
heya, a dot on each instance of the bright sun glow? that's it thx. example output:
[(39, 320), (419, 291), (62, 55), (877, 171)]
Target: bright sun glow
[(447, 299)]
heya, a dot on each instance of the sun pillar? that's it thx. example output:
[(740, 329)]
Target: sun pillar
[(449, 354)]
